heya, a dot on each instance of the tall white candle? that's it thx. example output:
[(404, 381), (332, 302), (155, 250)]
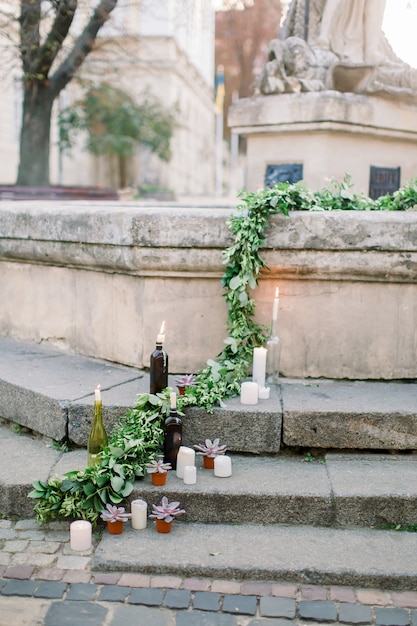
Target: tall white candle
[(80, 535), (97, 394), (249, 393), (259, 366), (190, 475), (185, 456), (223, 466), (275, 306), (139, 510)]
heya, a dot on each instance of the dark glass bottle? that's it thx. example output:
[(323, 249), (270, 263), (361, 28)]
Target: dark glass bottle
[(173, 434), (97, 439), (159, 365)]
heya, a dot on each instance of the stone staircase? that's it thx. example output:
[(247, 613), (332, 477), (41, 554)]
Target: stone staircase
[(317, 471)]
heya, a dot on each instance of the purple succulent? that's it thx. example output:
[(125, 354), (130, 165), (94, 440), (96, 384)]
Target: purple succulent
[(185, 381), (113, 513), (166, 510), (211, 448), (158, 466)]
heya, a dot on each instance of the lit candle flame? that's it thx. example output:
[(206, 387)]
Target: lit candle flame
[(161, 332), (277, 292)]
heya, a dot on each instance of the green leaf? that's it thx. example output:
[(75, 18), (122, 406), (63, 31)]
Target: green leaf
[(117, 483)]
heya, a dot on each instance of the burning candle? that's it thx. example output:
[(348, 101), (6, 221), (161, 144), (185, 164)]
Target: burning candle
[(275, 305), (222, 466), (161, 335), (186, 456), (97, 394), (249, 393), (190, 475), (139, 510), (259, 366), (80, 535)]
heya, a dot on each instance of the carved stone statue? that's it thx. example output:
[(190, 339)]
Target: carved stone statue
[(339, 45)]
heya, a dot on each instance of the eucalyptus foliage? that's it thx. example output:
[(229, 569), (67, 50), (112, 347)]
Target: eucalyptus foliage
[(138, 437)]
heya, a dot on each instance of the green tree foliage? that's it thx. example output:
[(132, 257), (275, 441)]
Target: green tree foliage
[(115, 125)]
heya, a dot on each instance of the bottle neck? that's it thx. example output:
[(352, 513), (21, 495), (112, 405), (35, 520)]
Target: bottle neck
[(274, 328)]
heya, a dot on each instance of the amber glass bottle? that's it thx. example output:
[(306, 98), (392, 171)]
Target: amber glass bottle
[(173, 434), (97, 439), (159, 365)]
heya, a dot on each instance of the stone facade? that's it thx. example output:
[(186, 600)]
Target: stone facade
[(99, 279), (329, 133)]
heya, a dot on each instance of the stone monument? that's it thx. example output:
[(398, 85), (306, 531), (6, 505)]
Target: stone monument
[(332, 99)]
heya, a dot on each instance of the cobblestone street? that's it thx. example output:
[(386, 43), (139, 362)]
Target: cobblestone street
[(44, 582)]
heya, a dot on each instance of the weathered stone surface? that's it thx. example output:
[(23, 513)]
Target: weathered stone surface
[(350, 415), (373, 489), (254, 428), (152, 264), (264, 552), (22, 460), (261, 489)]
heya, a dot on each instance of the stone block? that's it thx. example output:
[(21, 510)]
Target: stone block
[(359, 415)]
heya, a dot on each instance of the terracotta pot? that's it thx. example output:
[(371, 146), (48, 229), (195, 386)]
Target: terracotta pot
[(162, 526), (159, 478), (208, 462), (115, 528), (181, 391)]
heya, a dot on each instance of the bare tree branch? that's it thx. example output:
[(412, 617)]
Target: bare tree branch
[(82, 47), (56, 36)]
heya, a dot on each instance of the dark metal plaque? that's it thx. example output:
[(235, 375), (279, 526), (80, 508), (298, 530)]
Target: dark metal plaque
[(383, 180), (283, 173)]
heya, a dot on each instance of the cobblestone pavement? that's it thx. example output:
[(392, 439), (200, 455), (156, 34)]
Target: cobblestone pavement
[(44, 582)]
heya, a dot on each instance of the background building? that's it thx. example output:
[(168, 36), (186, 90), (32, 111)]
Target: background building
[(163, 48)]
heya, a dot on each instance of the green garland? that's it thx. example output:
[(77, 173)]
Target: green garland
[(138, 436)]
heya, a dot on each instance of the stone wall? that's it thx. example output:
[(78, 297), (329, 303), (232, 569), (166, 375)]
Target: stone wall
[(99, 278)]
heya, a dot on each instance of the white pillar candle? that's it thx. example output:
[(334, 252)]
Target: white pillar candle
[(264, 393), (222, 466), (259, 366), (139, 510), (185, 456), (80, 535), (249, 393), (190, 475)]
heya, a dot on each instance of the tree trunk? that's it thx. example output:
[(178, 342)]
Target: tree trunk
[(35, 135)]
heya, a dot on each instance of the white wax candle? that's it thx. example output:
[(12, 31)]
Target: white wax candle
[(190, 475), (222, 466), (259, 366), (80, 535), (185, 456), (97, 394), (173, 399), (139, 510), (249, 393), (161, 336), (264, 393), (275, 306)]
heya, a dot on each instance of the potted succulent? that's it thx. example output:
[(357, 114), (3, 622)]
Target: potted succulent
[(209, 451), (183, 382), (158, 471), (164, 514), (115, 518)]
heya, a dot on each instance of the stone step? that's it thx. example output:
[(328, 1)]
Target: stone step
[(303, 554), (52, 392), (346, 490)]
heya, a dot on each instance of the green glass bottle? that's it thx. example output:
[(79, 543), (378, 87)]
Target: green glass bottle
[(97, 439)]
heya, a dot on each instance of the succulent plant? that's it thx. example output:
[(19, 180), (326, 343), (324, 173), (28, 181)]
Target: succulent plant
[(166, 510), (185, 381), (113, 513), (211, 448), (158, 466)]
